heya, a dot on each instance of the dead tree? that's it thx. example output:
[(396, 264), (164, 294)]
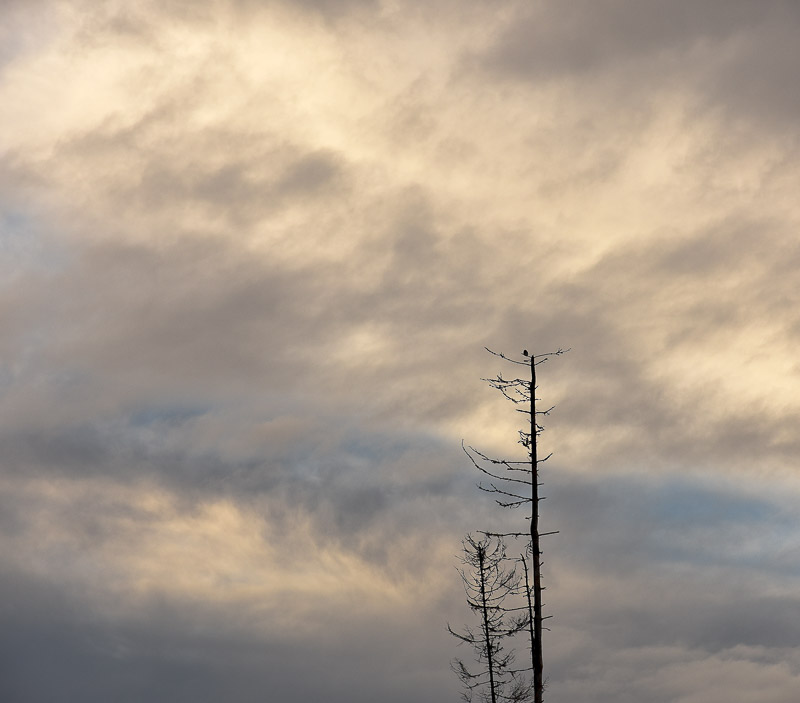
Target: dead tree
[(488, 584), (515, 484)]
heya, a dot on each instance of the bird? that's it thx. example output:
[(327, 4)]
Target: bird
[(525, 352)]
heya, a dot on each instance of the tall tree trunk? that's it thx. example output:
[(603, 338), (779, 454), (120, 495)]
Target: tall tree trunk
[(536, 648)]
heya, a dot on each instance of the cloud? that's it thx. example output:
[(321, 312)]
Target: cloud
[(220, 593), (251, 254), (588, 37), (175, 651), (734, 57)]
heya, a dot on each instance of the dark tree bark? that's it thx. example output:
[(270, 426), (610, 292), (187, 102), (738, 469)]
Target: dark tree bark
[(487, 632), (536, 552)]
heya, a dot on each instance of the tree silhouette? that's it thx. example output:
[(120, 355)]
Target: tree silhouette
[(488, 583), (515, 484)]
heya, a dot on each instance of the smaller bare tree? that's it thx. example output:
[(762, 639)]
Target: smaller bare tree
[(489, 581)]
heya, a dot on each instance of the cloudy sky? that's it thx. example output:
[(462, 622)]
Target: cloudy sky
[(250, 255)]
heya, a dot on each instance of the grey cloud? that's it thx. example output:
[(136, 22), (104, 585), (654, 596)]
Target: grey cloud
[(640, 598), (238, 189), (759, 80), (679, 520), (335, 8), (690, 560), (309, 173), (177, 311), (352, 483), (22, 26), (141, 22), (259, 176), (173, 651), (554, 39), (199, 318), (735, 55)]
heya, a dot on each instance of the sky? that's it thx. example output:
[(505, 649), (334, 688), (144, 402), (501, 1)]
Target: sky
[(250, 256)]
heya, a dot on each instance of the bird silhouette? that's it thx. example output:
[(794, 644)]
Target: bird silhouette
[(525, 352)]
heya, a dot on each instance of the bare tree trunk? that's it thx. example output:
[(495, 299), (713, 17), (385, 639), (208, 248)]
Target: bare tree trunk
[(536, 648), (530, 608), (486, 632)]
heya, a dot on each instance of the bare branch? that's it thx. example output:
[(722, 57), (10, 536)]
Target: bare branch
[(505, 358), (495, 489)]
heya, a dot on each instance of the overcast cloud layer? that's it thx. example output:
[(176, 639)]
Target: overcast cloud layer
[(250, 255)]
